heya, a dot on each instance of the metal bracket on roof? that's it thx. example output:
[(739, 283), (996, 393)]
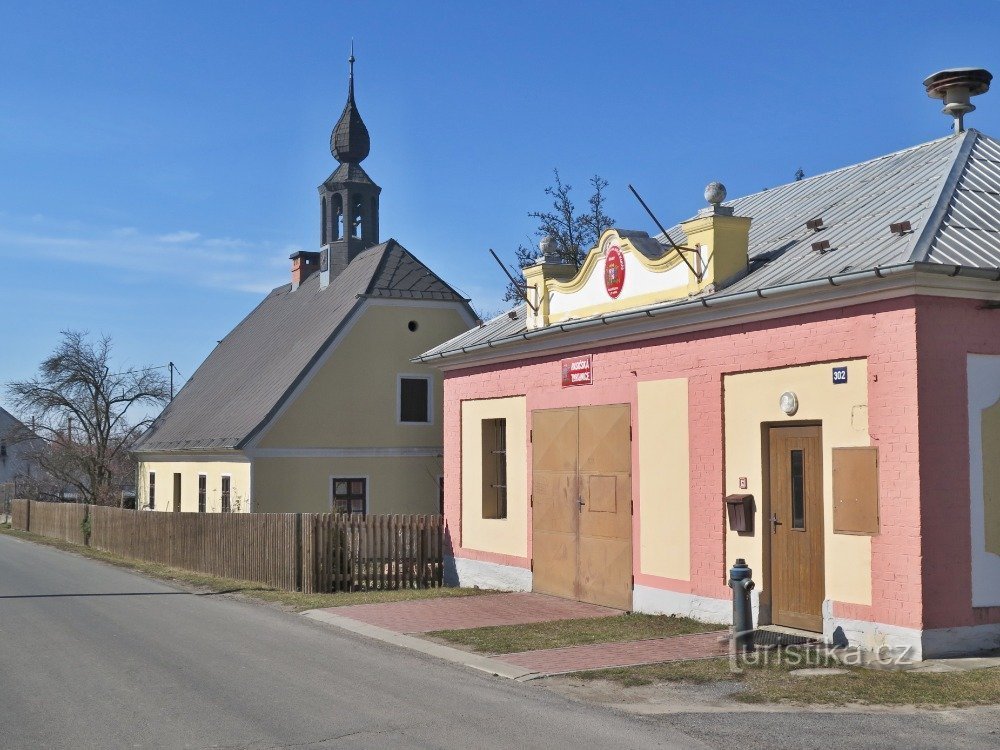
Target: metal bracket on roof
[(656, 221), (520, 286)]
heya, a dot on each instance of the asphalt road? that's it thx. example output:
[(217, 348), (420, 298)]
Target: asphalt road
[(92, 656)]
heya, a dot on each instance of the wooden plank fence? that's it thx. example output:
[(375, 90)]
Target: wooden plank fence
[(310, 552), (19, 514), (57, 520)]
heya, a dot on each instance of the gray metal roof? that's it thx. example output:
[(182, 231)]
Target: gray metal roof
[(254, 368), (948, 189)]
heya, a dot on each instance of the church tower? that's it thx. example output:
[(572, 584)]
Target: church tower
[(349, 197)]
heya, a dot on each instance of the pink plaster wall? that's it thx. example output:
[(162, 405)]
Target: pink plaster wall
[(884, 332), (948, 331)]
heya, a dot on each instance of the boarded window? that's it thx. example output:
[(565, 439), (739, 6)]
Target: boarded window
[(855, 490), (177, 492), (414, 399), (494, 468), (350, 495), (152, 490), (202, 493), (226, 504)]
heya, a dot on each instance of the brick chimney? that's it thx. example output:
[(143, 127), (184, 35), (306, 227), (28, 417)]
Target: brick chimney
[(304, 264)]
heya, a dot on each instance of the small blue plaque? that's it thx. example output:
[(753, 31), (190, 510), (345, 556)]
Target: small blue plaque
[(839, 375)]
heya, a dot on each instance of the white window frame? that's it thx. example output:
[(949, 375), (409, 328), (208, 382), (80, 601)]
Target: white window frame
[(430, 398), (351, 475)]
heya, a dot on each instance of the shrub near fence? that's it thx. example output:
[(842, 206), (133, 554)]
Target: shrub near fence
[(311, 552)]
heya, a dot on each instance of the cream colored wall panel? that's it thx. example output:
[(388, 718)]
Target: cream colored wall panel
[(351, 401), (508, 536), (189, 469), (751, 399), (664, 486), (404, 485)]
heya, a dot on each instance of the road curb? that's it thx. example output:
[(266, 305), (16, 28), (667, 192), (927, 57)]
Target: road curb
[(447, 653)]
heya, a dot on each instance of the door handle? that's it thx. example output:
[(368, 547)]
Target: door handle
[(775, 523), (579, 501)]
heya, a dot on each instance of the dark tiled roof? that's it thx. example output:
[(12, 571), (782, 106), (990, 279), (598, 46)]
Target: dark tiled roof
[(948, 189), (249, 374)]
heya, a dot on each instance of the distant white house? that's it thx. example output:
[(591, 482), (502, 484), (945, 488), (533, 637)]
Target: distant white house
[(16, 465)]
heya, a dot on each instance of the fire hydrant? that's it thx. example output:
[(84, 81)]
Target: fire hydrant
[(741, 584)]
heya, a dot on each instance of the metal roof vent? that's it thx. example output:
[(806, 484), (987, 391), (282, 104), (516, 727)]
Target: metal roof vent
[(956, 86), (814, 224)]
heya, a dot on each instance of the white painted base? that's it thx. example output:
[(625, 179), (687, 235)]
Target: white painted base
[(655, 601), (909, 643), (460, 571), (963, 641)]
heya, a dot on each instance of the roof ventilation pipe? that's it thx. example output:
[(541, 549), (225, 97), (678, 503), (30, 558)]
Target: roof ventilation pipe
[(956, 86)]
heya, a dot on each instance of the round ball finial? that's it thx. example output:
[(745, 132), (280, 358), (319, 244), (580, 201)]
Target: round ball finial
[(547, 245), (715, 193)]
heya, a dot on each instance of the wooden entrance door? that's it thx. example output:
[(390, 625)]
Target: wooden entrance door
[(796, 525), (582, 504)]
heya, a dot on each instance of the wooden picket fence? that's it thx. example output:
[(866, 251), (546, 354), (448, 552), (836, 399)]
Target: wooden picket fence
[(365, 553), (309, 552)]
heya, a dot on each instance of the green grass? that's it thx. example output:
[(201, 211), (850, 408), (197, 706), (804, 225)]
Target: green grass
[(507, 639), (292, 600), (771, 682)]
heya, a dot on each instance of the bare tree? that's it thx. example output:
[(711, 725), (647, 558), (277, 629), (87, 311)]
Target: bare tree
[(574, 233), (86, 415)]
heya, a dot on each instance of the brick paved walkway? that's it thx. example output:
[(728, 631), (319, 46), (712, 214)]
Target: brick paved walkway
[(463, 612), (603, 655)]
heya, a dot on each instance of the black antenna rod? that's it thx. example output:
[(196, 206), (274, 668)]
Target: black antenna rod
[(519, 287), (664, 231)]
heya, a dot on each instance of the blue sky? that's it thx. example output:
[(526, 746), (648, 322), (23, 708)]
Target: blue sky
[(159, 161)]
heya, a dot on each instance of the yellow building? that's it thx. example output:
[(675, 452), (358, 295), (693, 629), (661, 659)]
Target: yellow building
[(312, 403)]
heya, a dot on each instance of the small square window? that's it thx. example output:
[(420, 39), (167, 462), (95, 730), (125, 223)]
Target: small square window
[(415, 399), (350, 496)]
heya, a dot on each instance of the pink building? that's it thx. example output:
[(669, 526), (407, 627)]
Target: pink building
[(810, 381)]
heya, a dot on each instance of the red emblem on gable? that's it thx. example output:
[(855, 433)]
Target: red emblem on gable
[(614, 271)]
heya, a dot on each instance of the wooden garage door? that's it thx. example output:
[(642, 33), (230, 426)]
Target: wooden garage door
[(582, 504)]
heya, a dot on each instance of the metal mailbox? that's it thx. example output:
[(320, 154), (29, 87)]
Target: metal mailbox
[(739, 509)]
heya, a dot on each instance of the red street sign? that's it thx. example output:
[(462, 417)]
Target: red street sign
[(577, 371)]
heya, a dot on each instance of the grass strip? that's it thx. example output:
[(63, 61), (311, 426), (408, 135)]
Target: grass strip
[(769, 681), (292, 600), (507, 639)]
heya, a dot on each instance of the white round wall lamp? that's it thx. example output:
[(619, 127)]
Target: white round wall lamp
[(789, 403)]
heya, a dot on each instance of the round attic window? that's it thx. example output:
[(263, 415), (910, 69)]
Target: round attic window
[(412, 325)]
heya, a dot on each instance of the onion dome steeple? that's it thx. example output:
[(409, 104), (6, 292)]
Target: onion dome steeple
[(349, 141), (348, 198)]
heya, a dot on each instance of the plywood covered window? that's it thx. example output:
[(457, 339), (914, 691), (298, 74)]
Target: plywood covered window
[(414, 399), (494, 468), (226, 494), (350, 495), (152, 490)]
